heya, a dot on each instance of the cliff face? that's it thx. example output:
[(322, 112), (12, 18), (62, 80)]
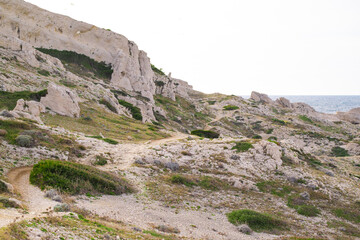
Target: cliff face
[(43, 29)]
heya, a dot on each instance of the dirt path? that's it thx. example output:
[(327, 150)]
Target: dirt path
[(177, 136), (32, 198)]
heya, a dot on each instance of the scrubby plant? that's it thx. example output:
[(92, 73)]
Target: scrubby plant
[(269, 131), (278, 121), (305, 119), (256, 221), (351, 214), (99, 69), (43, 72), (3, 187), (76, 178), (211, 102), (24, 141), (110, 141), (307, 210), (230, 107), (242, 146), (5, 202), (205, 133), (100, 160), (157, 70), (159, 83), (135, 111), (339, 152), (257, 137), (179, 179), (8, 99), (108, 105)]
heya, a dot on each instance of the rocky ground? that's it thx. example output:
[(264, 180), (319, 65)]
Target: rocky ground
[(280, 159)]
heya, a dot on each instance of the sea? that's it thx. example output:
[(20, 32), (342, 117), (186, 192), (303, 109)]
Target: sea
[(325, 104)]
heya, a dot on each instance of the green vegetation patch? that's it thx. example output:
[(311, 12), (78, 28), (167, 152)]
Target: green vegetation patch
[(43, 72), (242, 146), (135, 111), (7, 203), (302, 207), (13, 128), (339, 152), (351, 214), (179, 179), (108, 105), (80, 63), (257, 221), (230, 107), (205, 133), (205, 182), (274, 188), (3, 187), (76, 178), (8, 99), (305, 119), (157, 70), (278, 121), (108, 140)]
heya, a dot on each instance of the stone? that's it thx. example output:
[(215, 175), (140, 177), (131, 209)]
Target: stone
[(329, 173), (57, 198), (172, 166), (283, 102), (244, 228), (62, 207), (3, 132), (29, 109), (305, 195), (6, 114), (51, 193), (260, 97), (61, 100), (352, 116), (235, 157)]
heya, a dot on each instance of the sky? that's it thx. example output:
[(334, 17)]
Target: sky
[(278, 47)]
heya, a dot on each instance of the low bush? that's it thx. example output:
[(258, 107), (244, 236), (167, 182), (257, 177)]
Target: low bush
[(350, 214), (159, 83), (8, 99), (178, 179), (230, 107), (278, 121), (108, 105), (257, 137), (135, 111), (339, 152), (205, 133), (305, 119), (74, 178), (269, 131), (3, 187), (5, 202), (242, 146), (110, 141), (24, 141), (307, 210), (256, 221), (157, 70), (100, 160), (44, 72)]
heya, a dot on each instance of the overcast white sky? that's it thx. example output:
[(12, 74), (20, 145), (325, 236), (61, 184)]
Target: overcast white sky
[(279, 47)]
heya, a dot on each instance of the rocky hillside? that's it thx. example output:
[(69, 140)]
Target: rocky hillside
[(98, 143)]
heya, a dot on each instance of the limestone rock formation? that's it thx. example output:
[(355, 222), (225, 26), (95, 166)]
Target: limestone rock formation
[(61, 100), (283, 102), (28, 109), (260, 97), (352, 116), (170, 87)]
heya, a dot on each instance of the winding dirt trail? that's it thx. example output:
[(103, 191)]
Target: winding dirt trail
[(32, 198)]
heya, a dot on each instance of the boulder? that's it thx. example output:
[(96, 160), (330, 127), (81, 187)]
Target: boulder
[(260, 97), (352, 116), (29, 109), (61, 100), (244, 228), (283, 102)]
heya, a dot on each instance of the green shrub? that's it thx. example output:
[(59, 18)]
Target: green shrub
[(211, 102), (306, 118), (205, 133), (230, 107), (13, 128), (81, 61), (274, 188), (339, 152), (269, 131), (159, 83), (108, 105), (3, 187), (24, 141), (256, 221), (135, 111), (242, 146), (272, 138), (257, 137), (8, 99), (8, 203), (76, 178), (157, 70), (178, 179), (351, 214), (278, 121), (100, 160), (44, 72), (110, 141), (307, 210)]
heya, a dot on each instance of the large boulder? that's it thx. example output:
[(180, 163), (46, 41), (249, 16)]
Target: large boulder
[(61, 100), (260, 97), (28, 109), (352, 116), (283, 102)]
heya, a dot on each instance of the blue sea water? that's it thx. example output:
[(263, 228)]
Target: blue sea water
[(325, 104)]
